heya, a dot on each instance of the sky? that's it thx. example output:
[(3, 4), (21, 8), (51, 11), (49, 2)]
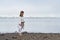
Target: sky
[(31, 8)]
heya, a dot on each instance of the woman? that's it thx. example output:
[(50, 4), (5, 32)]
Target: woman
[(21, 23)]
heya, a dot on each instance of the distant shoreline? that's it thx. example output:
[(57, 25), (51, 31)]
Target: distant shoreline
[(36, 17)]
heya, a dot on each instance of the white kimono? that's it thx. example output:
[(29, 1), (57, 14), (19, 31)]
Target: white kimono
[(21, 19)]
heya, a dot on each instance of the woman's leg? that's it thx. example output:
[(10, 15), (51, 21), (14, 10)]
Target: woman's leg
[(21, 26)]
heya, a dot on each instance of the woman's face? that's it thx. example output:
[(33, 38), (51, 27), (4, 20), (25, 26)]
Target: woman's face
[(22, 14)]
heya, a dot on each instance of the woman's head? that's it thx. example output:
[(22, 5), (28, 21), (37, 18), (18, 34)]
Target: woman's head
[(21, 13)]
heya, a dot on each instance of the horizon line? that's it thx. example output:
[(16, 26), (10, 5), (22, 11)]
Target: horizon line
[(17, 16)]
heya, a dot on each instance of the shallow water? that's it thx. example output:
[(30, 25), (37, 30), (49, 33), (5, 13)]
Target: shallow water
[(32, 24)]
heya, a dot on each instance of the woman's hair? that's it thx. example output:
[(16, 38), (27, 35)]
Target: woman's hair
[(21, 13)]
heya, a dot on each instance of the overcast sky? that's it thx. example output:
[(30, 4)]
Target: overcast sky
[(32, 8)]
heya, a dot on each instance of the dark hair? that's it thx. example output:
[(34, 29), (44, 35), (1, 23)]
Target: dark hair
[(21, 12)]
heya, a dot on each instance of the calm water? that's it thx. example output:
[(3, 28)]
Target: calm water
[(32, 24)]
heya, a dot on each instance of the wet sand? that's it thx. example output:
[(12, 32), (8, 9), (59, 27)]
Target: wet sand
[(30, 36)]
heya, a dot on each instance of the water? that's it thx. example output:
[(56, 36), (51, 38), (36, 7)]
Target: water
[(32, 24)]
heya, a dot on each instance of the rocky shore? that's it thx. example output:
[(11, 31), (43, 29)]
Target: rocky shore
[(30, 36)]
